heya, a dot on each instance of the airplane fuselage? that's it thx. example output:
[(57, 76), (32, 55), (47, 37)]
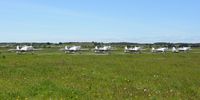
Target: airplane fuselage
[(102, 49), (129, 50), (72, 49), (159, 50)]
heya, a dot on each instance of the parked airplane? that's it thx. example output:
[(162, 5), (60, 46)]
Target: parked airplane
[(24, 48), (102, 49), (182, 49), (131, 50), (163, 49), (72, 49)]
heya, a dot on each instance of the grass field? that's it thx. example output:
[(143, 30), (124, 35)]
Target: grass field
[(116, 76)]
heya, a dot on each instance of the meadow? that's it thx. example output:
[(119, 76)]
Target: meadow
[(55, 75)]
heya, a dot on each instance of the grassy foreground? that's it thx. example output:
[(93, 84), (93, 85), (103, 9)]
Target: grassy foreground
[(137, 76)]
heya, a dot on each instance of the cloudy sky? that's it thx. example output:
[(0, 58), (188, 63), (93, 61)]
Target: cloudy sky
[(100, 20)]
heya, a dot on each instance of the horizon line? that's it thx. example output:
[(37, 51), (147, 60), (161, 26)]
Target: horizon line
[(99, 42)]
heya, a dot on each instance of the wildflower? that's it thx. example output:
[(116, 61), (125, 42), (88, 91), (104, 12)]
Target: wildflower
[(145, 90)]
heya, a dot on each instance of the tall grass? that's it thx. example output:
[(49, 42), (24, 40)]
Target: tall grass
[(137, 76)]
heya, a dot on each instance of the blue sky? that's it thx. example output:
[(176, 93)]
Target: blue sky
[(100, 20)]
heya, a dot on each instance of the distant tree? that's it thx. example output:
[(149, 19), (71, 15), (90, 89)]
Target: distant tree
[(60, 43), (183, 45), (48, 43), (96, 43)]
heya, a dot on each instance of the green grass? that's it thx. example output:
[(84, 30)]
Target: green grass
[(115, 76)]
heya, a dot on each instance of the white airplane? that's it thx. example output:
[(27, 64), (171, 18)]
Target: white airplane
[(163, 49), (130, 50), (72, 49), (182, 49), (24, 48), (102, 49)]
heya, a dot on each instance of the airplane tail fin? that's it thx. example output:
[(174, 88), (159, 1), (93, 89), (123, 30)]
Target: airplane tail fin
[(96, 47), (173, 49), (17, 48), (152, 49), (66, 48), (125, 47)]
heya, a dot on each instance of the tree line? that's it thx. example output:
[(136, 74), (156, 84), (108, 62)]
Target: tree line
[(92, 44)]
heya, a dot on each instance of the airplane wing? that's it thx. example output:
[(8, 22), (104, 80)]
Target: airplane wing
[(37, 49), (84, 49), (62, 49), (113, 49), (13, 50)]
